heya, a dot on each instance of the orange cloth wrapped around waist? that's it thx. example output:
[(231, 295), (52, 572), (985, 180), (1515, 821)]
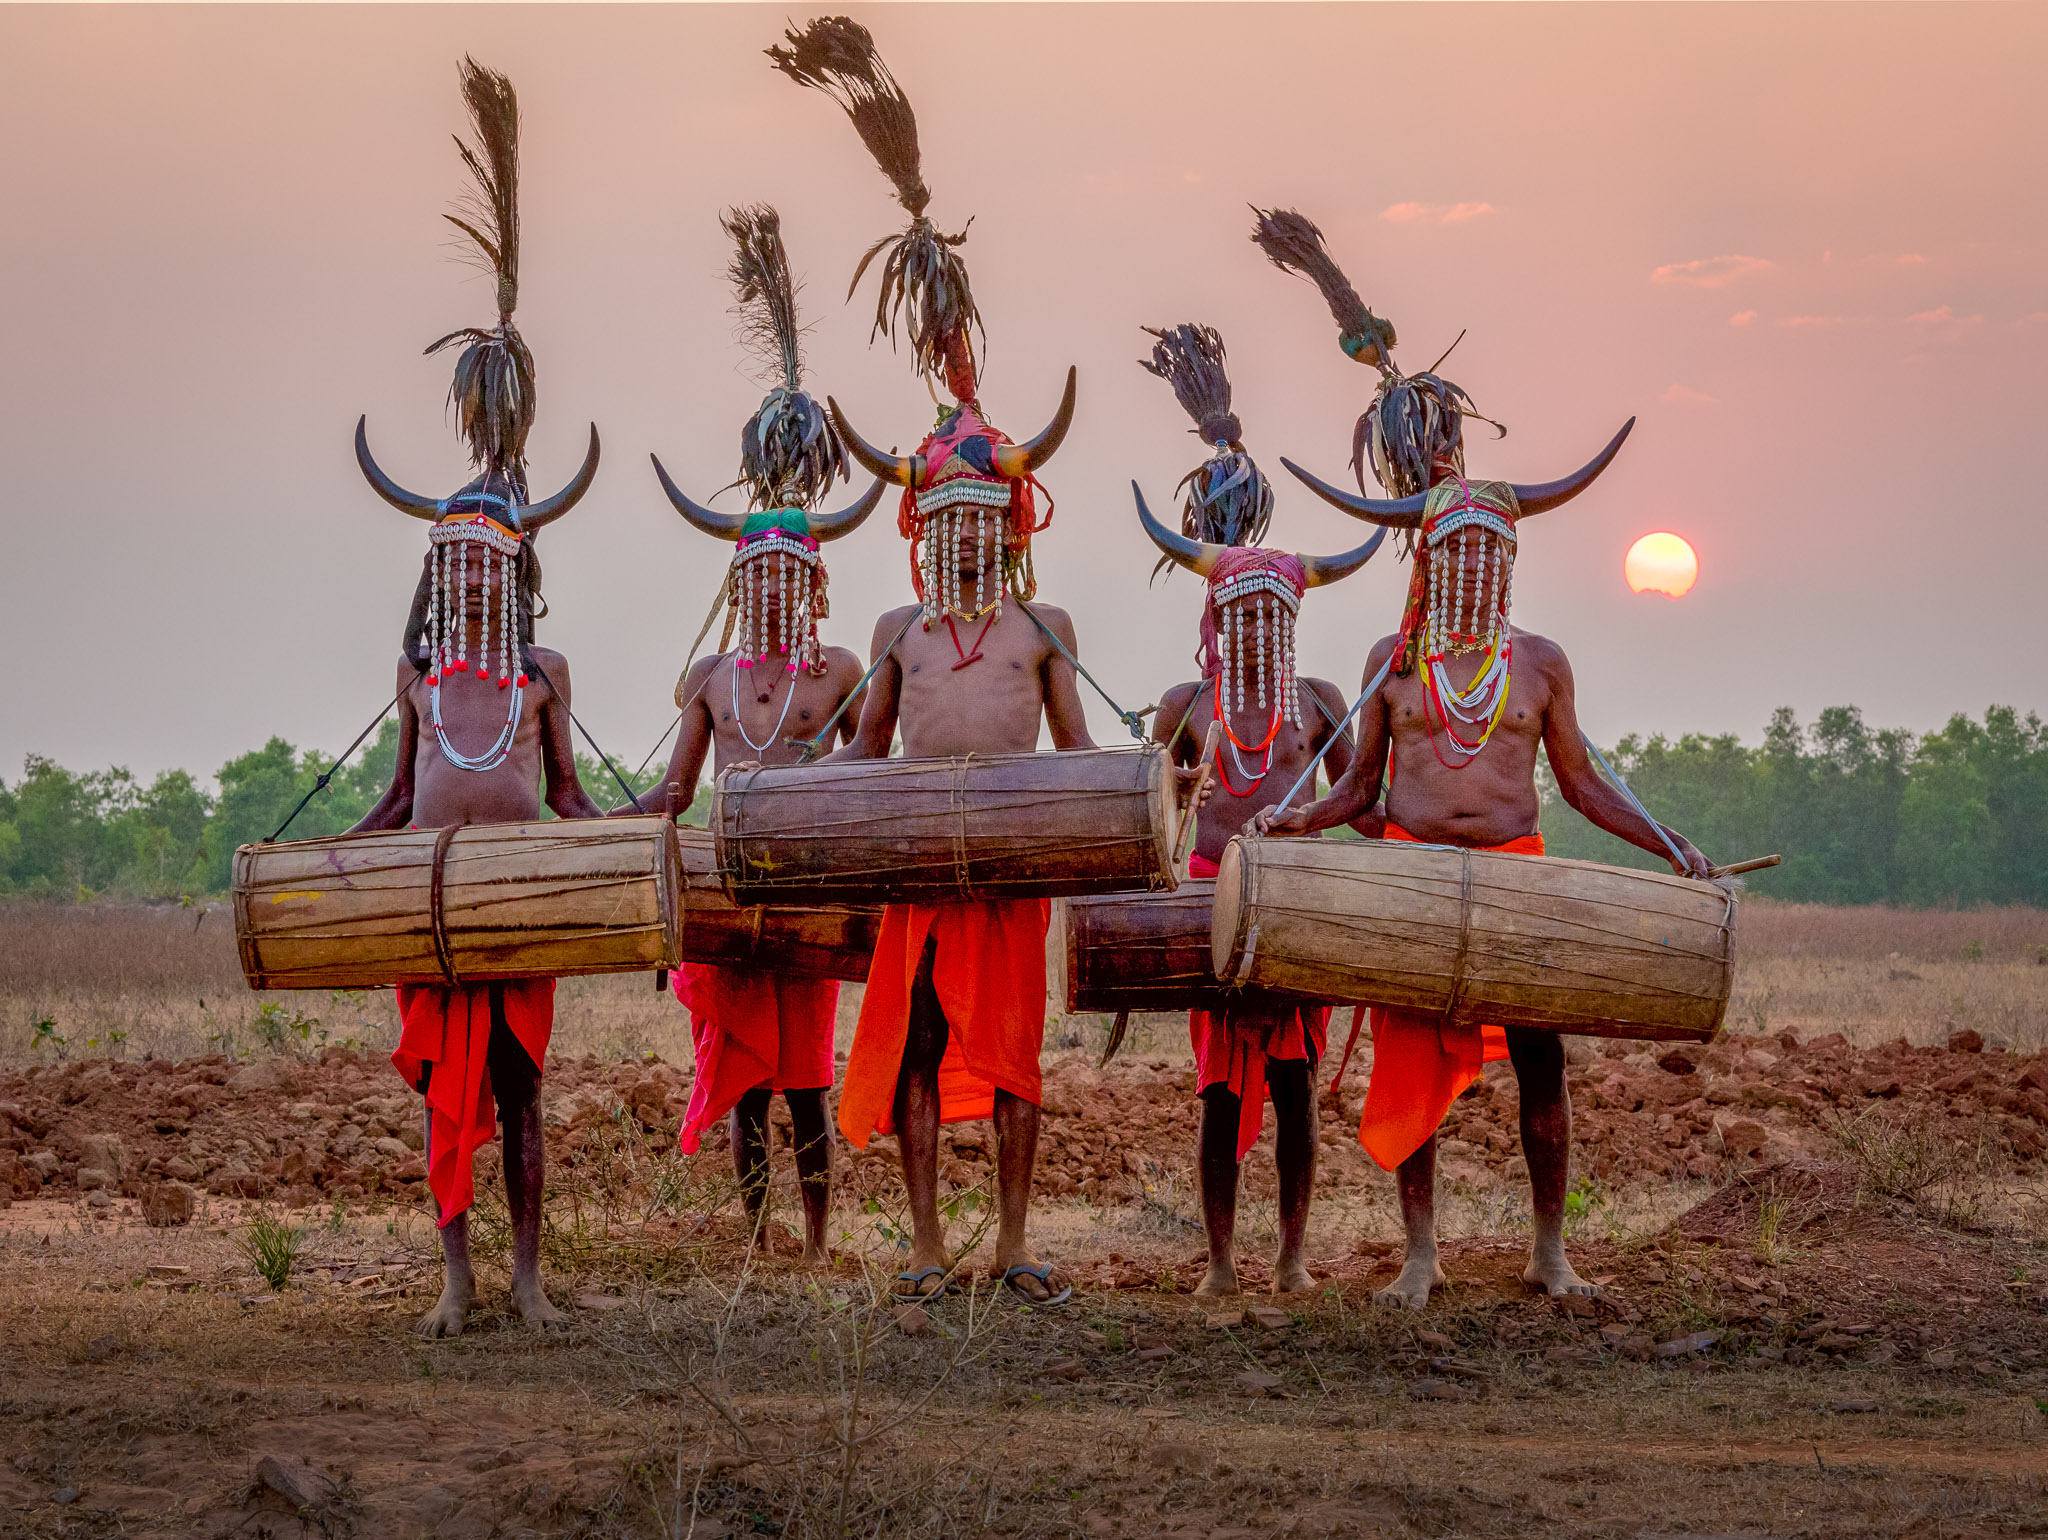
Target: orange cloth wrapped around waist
[(752, 1027), (1232, 1046), (989, 973), (448, 1032), (1419, 1065)]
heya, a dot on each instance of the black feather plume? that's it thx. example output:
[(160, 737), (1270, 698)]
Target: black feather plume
[(493, 390), (922, 273), (789, 451), (1228, 499), (1293, 244)]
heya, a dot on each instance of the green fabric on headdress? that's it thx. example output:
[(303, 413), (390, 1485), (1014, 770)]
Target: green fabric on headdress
[(787, 521)]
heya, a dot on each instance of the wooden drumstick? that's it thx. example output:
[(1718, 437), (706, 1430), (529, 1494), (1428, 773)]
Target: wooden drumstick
[(1203, 768), (1739, 867)]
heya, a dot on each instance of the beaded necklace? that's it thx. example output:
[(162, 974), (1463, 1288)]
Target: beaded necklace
[(447, 642), (1450, 631), (774, 733)]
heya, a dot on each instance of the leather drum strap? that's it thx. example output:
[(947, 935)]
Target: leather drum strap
[(960, 875), (438, 905), (1464, 936)]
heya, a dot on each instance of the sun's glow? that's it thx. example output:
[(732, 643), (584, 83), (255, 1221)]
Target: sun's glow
[(1661, 563)]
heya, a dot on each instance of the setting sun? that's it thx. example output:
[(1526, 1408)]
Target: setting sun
[(1661, 563)]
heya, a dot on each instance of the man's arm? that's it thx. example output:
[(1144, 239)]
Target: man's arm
[(1337, 763), (877, 729), (1170, 723), (565, 793), (1063, 713), (678, 787), (855, 695), (1585, 791), (1354, 792), (394, 808)]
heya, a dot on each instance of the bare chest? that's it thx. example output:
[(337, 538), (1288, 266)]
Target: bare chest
[(478, 761), (765, 714), (972, 688)]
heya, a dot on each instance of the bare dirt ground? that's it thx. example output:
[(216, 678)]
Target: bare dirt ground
[(1824, 1250)]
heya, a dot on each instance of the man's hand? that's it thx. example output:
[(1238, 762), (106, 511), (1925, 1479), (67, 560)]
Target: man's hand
[(1272, 821), (1696, 865), (1193, 786)]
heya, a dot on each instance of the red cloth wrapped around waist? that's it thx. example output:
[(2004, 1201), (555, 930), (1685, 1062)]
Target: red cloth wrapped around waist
[(448, 1032), (752, 1027), (1420, 1065), (989, 974), (1232, 1046)]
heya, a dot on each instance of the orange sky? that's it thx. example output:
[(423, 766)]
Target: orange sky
[(1804, 245)]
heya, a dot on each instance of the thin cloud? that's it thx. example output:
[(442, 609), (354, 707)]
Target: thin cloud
[(1685, 395), (1742, 318), (1433, 213), (2035, 318), (1813, 320), (1943, 315), (1710, 272)]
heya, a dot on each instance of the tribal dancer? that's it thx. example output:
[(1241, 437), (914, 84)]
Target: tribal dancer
[(954, 1015), (763, 1030), (493, 739), (1274, 722), (1460, 701)]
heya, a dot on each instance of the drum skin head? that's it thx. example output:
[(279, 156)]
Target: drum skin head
[(1226, 941)]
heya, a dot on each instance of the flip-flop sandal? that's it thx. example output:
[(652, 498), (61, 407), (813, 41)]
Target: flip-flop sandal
[(918, 1296), (1042, 1271)]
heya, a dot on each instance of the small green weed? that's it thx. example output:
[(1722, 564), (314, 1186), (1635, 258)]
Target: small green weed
[(272, 1247)]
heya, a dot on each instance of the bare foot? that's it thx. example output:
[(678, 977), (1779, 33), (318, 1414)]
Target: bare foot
[(1221, 1281), (531, 1301), (815, 1254), (1411, 1290), (1038, 1290), (1290, 1277), (1550, 1273), (450, 1310)]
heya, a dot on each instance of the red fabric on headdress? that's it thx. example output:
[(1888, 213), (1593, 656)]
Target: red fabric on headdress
[(1235, 562), (964, 423)]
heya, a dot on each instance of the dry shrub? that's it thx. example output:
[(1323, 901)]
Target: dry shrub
[(1943, 1167)]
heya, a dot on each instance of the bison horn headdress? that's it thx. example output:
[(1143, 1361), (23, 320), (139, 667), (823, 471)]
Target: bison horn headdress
[(1254, 593), (1412, 435), (482, 537), (789, 455), (966, 473)]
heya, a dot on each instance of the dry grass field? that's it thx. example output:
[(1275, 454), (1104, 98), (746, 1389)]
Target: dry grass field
[(1841, 1332)]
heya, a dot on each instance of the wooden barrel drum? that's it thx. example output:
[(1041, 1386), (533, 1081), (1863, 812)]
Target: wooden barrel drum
[(445, 906), (1475, 936), (1139, 951), (834, 941), (946, 830)]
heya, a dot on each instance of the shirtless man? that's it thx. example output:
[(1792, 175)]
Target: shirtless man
[(492, 744), (1456, 704), (1274, 724), (972, 668), (461, 769), (759, 1030)]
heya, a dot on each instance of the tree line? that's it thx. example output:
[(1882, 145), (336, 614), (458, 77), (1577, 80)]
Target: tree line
[(1952, 818)]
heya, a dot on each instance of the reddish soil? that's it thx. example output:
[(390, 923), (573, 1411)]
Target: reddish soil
[(342, 1126)]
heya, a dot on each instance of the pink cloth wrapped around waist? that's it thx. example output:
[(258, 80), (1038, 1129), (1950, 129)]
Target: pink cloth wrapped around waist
[(988, 970), (752, 1027)]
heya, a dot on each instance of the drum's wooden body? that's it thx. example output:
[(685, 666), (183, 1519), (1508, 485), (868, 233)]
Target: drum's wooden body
[(834, 941), (945, 830), (434, 906), (1139, 951), (1475, 936)]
